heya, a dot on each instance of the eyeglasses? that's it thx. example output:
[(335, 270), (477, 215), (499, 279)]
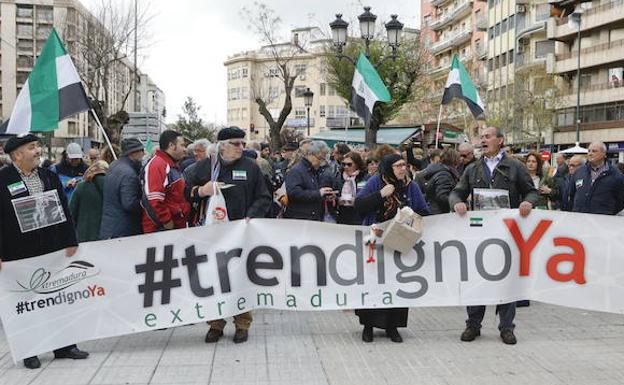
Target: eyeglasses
[(400, 165), (347, 164), (237, 143)]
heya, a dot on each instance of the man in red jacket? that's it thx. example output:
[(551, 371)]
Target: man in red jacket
[(164, 205)]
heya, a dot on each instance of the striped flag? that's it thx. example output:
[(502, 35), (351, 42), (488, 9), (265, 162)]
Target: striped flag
[(367, 89), (459, 85), (52, 92)]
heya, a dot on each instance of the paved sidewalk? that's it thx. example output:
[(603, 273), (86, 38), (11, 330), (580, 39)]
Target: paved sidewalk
[(556, 346)]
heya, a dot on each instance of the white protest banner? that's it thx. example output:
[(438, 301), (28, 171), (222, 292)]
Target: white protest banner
[(172, 278)]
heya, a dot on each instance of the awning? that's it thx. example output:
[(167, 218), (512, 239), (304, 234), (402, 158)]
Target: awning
[(391, 136)]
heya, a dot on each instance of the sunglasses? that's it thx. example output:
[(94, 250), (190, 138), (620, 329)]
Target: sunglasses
[(237, 143), (347, 164)]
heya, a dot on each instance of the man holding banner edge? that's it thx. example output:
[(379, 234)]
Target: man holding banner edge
[(497, 171)]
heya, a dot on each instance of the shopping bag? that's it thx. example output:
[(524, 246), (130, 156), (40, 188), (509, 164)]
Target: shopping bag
[(403, 231), (216, 211)]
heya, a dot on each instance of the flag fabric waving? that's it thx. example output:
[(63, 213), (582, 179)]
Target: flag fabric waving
[(52, 92), (459, 85), (367, 89)]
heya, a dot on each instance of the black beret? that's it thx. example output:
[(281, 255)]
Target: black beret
[(17, 141), (290, 147), (230, 133)]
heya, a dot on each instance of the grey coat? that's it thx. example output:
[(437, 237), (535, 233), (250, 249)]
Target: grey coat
[(510, 174), (121, 209)]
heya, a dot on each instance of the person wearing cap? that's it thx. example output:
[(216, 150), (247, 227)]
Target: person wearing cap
[(288, 152), (163, 201), (22, 179), (121, 207), (71, 168), (248, 197)]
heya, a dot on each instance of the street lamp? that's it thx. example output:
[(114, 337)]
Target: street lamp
[(307, 99), (367, 21), (576, 18)]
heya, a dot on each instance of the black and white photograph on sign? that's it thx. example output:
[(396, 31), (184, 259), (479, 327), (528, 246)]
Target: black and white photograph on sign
[(490, 199), (38, 211)]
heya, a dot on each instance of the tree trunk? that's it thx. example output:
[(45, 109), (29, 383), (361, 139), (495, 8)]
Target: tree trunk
[(276, 138)]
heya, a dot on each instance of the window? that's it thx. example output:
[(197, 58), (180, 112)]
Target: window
[(25, 30), (72, 128), (322, 89), (542, 48), (24, 10), (342, 111), (234, 94), (21, 77), (244, 93), (510, 56), (274, 92), (511, 22), (43, 31), (273, 72), (45, 14), (300, 69), (24, 61), (299, 90), (331, 111), (491, 33), (322, 111), (300, 113), (331, 91), (427, 20), (503, 59), (490, 65), (503, 26), (497, 30), (244, 72)]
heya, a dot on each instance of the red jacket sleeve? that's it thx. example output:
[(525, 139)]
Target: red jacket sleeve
[(155, 181)]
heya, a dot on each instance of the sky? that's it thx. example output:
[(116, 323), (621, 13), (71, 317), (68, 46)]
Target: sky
[(191, 39)]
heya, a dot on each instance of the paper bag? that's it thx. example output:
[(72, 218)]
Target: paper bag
[(403, 231)]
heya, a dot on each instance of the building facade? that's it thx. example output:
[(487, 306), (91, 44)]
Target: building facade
[(254, 74), (601, 68), (25, 27)]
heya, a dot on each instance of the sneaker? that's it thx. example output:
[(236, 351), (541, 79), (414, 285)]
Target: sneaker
[(213, 335), (367, 334), (470, 334), (32, 362), (240, 336), (508, 337), (394, 335)]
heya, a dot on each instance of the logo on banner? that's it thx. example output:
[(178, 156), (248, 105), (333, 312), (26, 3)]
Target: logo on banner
[(44, 282)]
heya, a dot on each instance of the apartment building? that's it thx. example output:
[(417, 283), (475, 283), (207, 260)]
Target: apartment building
[(601, 67), (25, 27), (255, 74)]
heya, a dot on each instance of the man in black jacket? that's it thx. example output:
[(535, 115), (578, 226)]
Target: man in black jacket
[(121, 208), (598, 187), (22, 236), (247, 198), (308, 185), (495, 170)]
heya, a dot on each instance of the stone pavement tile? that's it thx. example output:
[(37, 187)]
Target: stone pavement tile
[(123, 375), (19, 375), (181, 375), (122, 357), (65, 376), (95, 359)]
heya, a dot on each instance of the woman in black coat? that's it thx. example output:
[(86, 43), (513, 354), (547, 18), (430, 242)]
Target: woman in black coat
[(440, 179)]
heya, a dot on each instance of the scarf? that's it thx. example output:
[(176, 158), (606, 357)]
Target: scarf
[(398, 198)]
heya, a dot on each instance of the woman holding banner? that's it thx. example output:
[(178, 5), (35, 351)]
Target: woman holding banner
[(379, 200)]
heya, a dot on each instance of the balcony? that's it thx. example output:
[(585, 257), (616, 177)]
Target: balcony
[(531, 29), (482, 23), (459, 11), (438, 3), (481, 52), (527, 62), (599, 16), (592, 94), (596, 55), (450, 42)]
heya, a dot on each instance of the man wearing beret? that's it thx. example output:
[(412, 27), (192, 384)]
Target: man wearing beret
[(24, 178), (121, 208), (247, 198)]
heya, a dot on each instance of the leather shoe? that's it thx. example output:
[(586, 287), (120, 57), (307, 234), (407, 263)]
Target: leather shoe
[(74, 353), (394, 335), (470, 334), (240, 336), (508, 337), (367, 334), (213, 335), (32, 362)]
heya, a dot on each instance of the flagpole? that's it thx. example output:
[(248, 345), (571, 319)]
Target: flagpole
[(438, 129), (104, 133)]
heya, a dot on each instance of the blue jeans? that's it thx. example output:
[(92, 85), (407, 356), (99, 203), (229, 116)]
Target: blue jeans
[(506, 313)]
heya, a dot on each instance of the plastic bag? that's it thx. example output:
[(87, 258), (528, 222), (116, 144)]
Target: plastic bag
[(328, 217), (216, 212)]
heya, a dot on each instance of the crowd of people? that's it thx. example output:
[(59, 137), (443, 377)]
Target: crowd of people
[(171, 189)]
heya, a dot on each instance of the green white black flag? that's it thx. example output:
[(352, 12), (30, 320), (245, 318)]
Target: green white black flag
[(367, 89), (52, 92), (459, 85)]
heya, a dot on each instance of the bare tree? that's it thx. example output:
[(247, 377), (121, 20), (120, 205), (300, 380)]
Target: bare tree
[(278, 73), (101, 44)]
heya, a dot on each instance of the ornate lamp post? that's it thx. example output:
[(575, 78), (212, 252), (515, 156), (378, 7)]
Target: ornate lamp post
[(307, 97)]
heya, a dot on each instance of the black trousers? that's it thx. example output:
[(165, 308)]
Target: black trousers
[(383, 318)]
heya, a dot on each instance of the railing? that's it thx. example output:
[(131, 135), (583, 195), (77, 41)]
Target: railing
[(450, 41), (603, 124), (571, 90), (451, 15), (593, 10), (592, 49)]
